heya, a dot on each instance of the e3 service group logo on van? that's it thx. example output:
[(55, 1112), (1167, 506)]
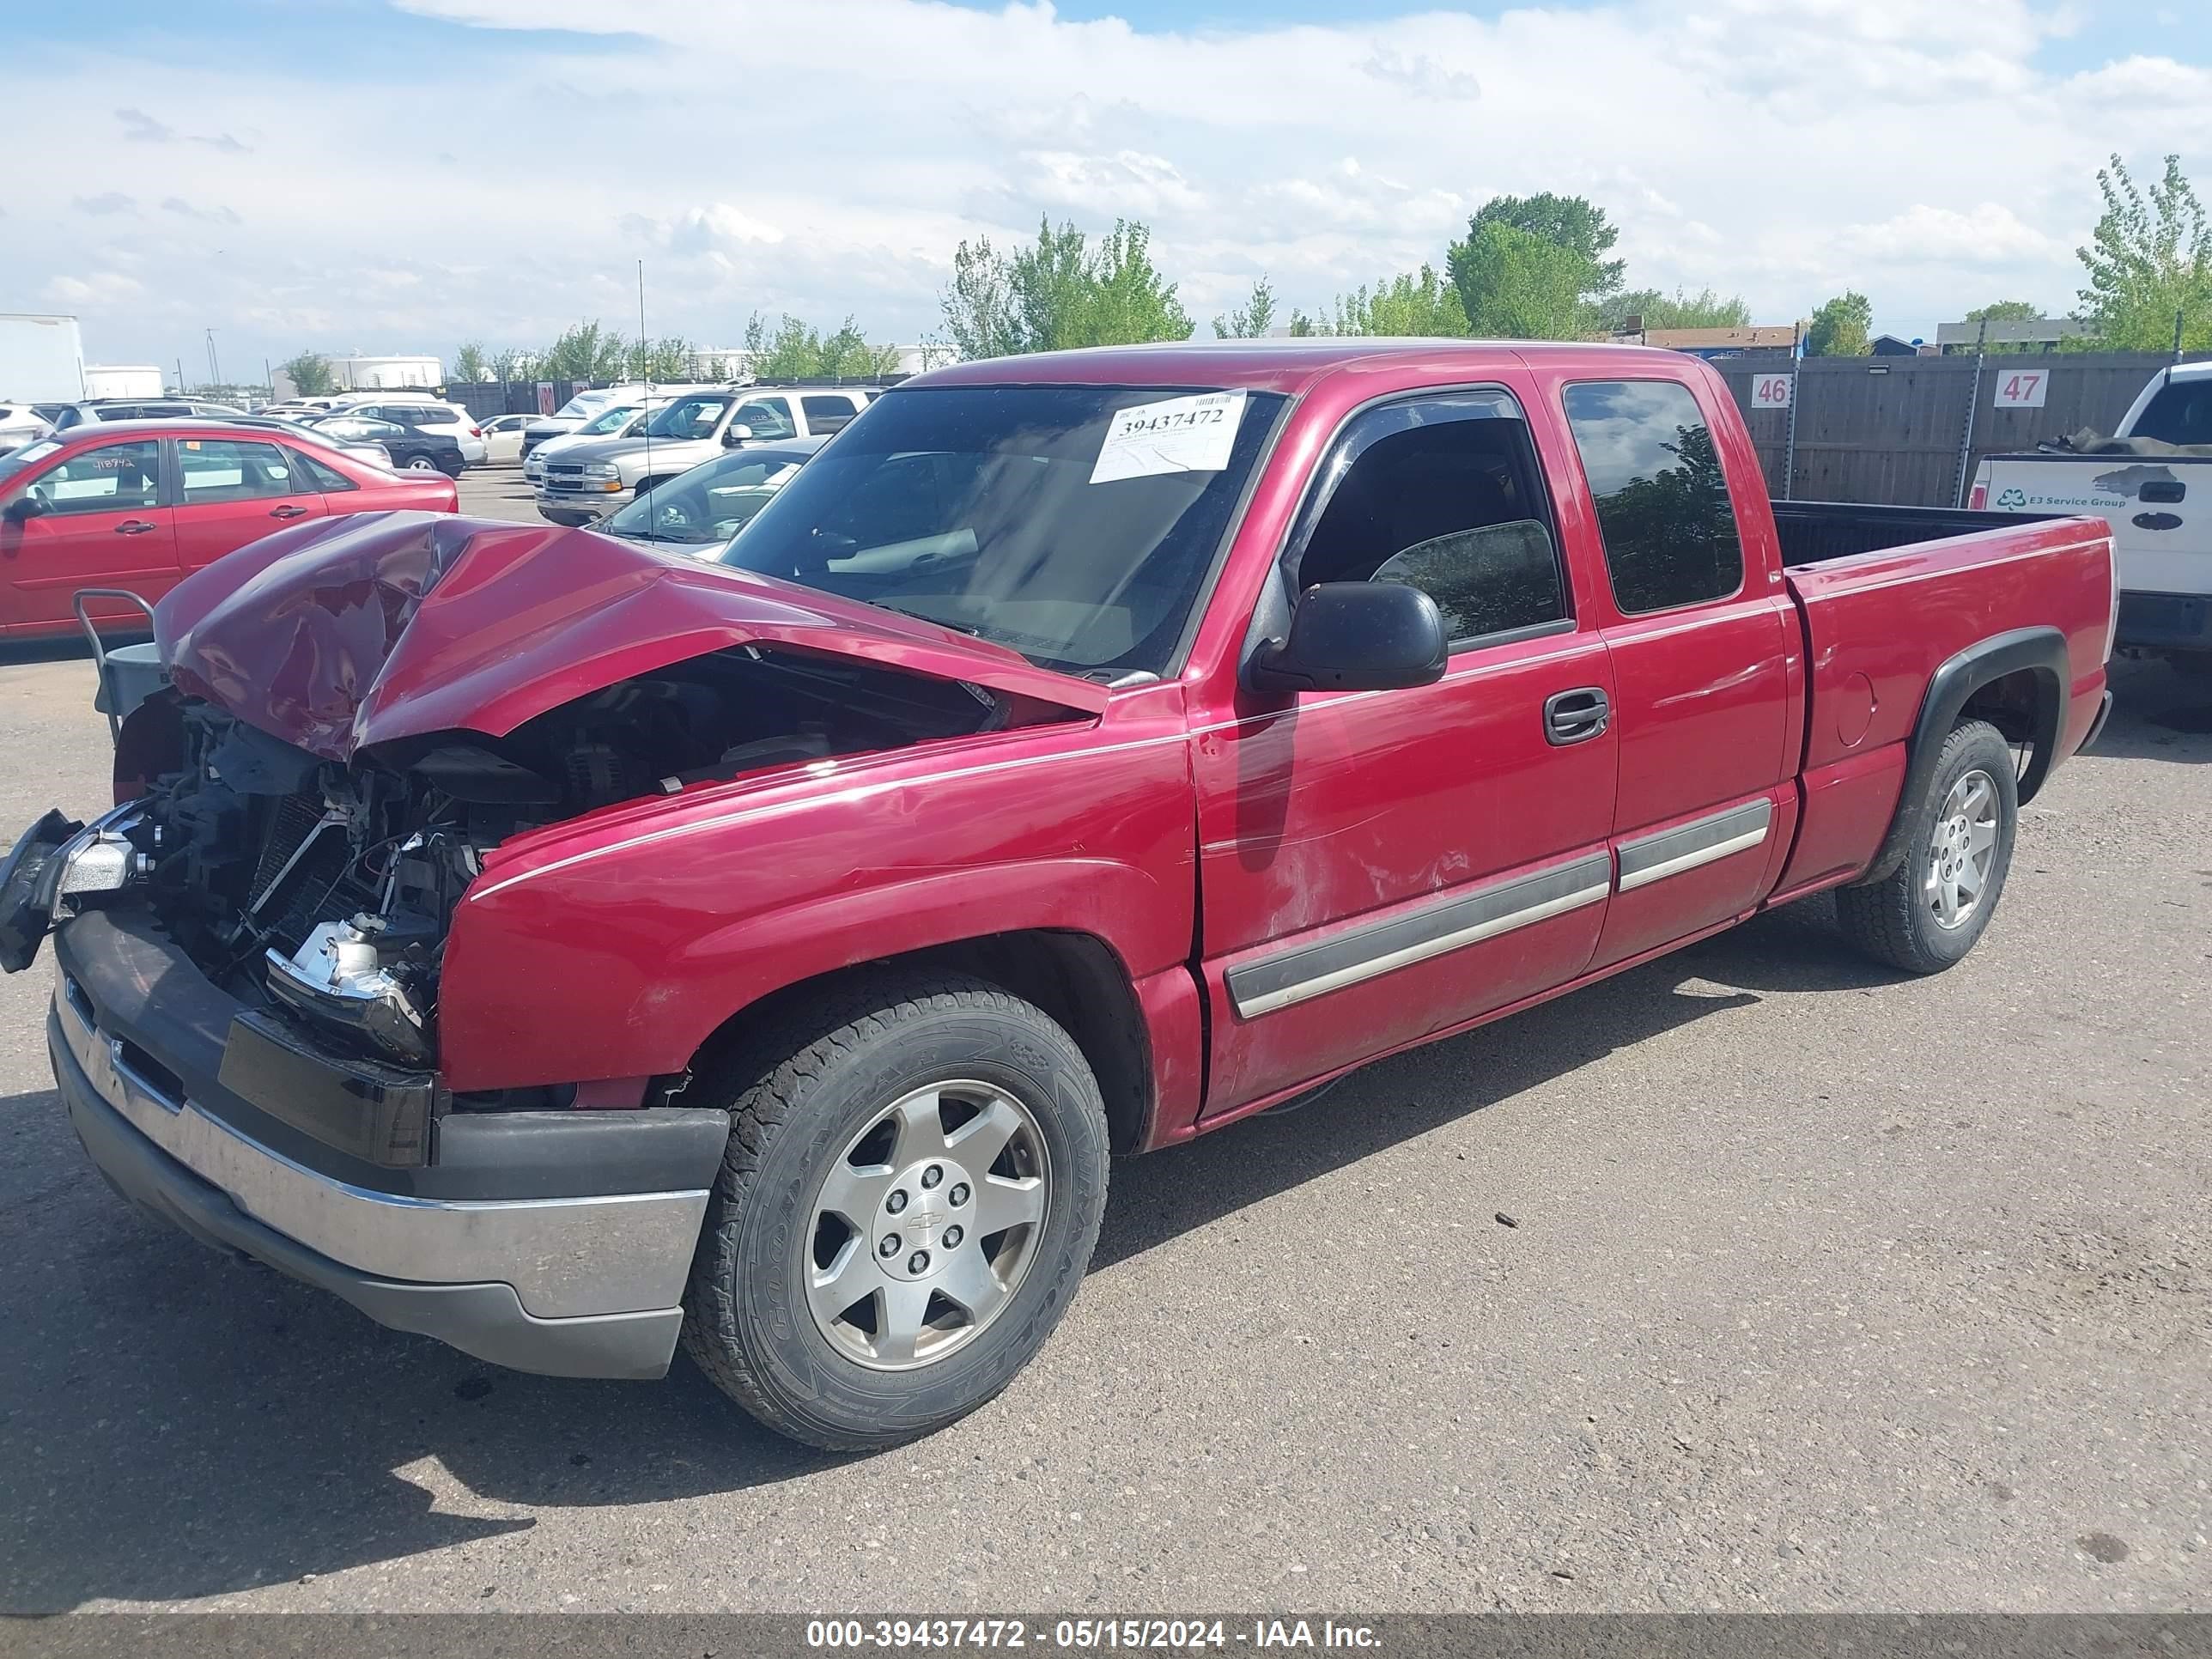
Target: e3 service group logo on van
[(2013, 497)]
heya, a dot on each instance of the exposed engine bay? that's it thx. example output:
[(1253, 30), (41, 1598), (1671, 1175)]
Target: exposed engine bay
[(325, 891)]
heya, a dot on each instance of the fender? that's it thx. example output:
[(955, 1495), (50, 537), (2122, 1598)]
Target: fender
[(559, 1020), (2042, 652)]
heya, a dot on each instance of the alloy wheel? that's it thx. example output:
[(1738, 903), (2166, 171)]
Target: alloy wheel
[(927, 1224)]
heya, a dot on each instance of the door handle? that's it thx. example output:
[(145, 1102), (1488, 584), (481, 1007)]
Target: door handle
[(287, 511), (2162, 490), (1576, 716), (133, 527)]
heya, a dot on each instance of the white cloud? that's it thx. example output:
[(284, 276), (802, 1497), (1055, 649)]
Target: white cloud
[(1987, 236), (775, 154), (101, 288)]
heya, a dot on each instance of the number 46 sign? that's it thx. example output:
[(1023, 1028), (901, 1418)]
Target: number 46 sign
[(1771, 391), (2022, 389)]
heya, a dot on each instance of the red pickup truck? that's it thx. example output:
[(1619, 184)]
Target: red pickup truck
[(560, 945)]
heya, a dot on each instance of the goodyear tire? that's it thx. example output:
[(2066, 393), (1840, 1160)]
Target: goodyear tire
[(917, 1170)]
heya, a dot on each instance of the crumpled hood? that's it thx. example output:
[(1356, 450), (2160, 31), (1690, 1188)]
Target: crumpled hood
[(341, 633)]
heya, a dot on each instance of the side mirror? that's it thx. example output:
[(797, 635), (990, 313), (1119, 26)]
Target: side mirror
[(735, 433), (26, 506), (1355, 636)]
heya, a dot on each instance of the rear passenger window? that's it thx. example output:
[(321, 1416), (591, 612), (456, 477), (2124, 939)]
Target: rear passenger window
[(1442, 493), (825, 415), (327, 479), (1662, 504), (228, 470)]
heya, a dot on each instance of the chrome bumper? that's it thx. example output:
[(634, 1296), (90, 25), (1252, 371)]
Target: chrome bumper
[(571, 1286)]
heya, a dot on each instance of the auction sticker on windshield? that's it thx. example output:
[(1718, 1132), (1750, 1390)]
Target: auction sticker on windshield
[(1179, 434)]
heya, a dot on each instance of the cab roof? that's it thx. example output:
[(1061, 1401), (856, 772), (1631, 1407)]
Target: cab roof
[(1285, 364)]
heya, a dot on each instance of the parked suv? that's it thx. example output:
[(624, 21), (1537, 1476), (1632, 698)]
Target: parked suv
[(588, 481), (621, 420), (425, 415)]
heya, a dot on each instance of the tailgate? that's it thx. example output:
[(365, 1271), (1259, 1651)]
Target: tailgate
[(2159, 509)]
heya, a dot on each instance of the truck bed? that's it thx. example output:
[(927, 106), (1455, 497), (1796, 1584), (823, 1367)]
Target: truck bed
[(1811, 531)]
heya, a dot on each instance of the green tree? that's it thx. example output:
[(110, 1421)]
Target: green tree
[(1059, 292), (1571, 222), (1704, 309), (1303, 327), (1533, 267), (980, 317), (794, 351), (1514, 285), (1411, 305), (2146, 261), (509, 364), (1840, 326), (469, 362), (585, 352), (665, 360), (310, 374), (1251, 320)]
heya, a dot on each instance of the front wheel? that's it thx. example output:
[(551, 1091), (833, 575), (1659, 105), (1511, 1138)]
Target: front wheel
[(1929, 912), (421, 464), (914, 1178)]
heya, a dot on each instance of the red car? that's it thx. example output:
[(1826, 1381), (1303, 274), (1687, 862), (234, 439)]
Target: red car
[(141, 504), (559, 945)]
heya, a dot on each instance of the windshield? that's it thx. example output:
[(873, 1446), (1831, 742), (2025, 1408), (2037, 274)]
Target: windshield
[(689, 417), (709, 503), (613, 421), (29, 455), (1076, 525), (583, 404)]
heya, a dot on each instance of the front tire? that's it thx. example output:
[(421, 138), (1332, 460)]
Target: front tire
[(1929, 911), (917, 1170)]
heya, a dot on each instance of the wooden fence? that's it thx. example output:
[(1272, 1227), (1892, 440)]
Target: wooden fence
[(1890, 428)]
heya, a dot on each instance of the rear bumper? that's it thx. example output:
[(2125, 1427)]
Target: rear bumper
[(582, 1283), (2167, 622)]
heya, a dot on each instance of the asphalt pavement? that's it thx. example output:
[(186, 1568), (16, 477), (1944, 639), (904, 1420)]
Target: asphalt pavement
[(1824, 1289)]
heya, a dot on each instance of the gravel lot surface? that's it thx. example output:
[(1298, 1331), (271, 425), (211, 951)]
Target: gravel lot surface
[(1828, 1290)]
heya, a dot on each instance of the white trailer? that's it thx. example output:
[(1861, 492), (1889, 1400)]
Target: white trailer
[(123, 380), (41, 359)]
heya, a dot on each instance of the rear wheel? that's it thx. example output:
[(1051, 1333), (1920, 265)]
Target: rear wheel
[(421, 463), (1929, 912), (914, 1183)]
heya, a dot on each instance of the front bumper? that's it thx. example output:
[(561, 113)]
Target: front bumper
[(549, 1242), (581, 506)]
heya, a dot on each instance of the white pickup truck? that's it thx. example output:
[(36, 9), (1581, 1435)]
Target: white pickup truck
[(2141, 482)]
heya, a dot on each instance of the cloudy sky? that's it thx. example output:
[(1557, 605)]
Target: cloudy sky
[(399, 175)]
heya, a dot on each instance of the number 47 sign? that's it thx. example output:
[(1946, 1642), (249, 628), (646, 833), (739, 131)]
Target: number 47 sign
[(2022, 389)]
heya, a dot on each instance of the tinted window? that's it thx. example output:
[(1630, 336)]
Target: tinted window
[(1444, 494), (983, 508), (1662, 504), (2181, 413), (318, 476), (825, 415), (230, 470), (112, 478)]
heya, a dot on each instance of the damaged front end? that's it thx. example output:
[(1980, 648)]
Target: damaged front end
[(356, 726)]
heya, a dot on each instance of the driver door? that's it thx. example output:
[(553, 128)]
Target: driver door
[(105, 524), (1378, 866)]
